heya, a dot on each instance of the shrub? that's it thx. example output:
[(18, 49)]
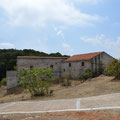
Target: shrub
[(87, 74), (66, 82), (37, 81), (113, 69), (3, 82), (51, 92)]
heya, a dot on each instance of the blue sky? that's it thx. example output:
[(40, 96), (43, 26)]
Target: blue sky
[(65, 26)]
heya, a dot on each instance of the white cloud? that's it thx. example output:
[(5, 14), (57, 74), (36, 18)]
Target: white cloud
[(101, 40), (110, 43), (67, 48), (104, 43), (93, 40), (98, 39), (40, 12), (60, 33), (6, 45), (66, 45)]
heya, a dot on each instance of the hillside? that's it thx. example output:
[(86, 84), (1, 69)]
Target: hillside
[(96, 86)]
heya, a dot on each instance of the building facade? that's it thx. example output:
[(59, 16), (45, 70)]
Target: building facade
[(73, 66), (78, 64), (27, 62)]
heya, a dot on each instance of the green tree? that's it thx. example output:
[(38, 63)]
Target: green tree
[(37, 81), (113, 69)]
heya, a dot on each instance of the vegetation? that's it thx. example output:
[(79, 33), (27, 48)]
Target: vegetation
[(3, 82), (87, 74), (37, 81), (8, 58), (113, 69), (66, 82)]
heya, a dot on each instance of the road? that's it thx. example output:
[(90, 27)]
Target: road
[(111, 101)]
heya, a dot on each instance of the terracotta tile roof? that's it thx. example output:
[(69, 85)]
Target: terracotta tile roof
[(39, 57), (86, 56)]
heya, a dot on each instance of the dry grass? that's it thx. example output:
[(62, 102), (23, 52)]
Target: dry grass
[(96, 86)]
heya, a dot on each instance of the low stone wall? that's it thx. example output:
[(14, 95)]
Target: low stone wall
[(11, 79)]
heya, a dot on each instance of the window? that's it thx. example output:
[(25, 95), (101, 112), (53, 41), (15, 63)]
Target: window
[(31, 67), (83, 64), (51, 66), (69, 64)]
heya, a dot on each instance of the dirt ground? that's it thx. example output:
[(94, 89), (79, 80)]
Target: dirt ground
[(93, 87), (89, 115)]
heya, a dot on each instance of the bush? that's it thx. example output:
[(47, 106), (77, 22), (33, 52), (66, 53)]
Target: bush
[(66, 82), (51, 92), (37, 81), (4, 82), (87, 74), (113, 69)]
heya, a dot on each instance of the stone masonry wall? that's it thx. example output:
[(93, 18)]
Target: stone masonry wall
[(55, 64), (74, 69), (101, 60), (11, 79)]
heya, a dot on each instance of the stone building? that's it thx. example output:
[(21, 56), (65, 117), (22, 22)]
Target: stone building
[(73, 66), (27, 62), (78, 64)]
